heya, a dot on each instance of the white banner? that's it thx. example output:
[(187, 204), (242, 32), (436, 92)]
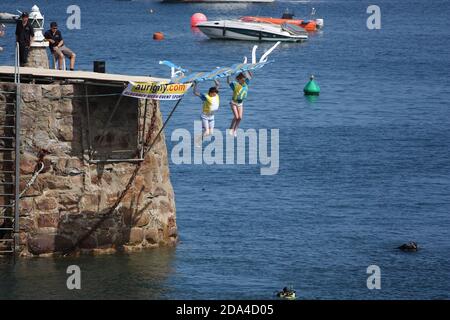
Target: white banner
[(156, 90)]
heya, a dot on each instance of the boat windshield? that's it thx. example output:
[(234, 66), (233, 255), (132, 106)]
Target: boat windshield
[(293, 29)]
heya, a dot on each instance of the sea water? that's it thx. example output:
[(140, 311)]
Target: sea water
[(363, 168)]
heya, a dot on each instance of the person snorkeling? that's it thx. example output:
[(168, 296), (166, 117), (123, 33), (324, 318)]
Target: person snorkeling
[(211, 102), (240, 90), (287, 293)]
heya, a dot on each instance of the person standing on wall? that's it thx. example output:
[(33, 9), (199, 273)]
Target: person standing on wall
[(24, 36), (57, 47)]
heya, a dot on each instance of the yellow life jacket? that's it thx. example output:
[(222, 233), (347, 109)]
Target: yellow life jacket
[(211, 104)]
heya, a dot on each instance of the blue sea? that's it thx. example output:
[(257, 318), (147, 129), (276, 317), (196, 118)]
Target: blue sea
[(363, 168)]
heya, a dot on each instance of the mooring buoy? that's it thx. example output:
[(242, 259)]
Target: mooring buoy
[(311, 88), (198, 18), (158, 36)]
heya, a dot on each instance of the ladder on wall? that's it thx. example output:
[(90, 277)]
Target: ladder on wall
[(10, 163)]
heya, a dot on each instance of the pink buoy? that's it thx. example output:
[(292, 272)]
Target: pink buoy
[(197, 18)]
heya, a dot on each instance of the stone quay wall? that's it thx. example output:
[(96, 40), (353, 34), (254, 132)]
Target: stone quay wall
[(71, 194)]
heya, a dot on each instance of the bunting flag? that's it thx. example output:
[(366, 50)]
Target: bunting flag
[(221, 72), (180, 75)]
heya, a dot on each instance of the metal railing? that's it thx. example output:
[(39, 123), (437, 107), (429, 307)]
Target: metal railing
[(17, 147)]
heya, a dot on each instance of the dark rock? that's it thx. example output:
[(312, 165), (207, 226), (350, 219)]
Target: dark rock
[(104, 238), (89, 243)]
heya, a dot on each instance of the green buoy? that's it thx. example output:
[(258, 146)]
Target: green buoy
[(311, 88)]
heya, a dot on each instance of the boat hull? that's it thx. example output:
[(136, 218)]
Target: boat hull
[(247, 34), (8, 17)]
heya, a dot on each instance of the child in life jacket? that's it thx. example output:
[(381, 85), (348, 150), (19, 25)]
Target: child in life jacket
[(211, 103), (240, 89)]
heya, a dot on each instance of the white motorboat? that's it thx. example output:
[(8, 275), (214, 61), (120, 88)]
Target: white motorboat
[(240, 30), (8, 17)]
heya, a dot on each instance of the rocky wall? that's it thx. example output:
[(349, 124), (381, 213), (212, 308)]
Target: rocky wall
[(69, 204)]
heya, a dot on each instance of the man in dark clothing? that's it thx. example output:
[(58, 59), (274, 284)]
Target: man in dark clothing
[(24, 36), (57, 47)]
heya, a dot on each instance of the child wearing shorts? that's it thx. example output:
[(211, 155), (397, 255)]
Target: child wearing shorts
[(240, 90), (210, 105)]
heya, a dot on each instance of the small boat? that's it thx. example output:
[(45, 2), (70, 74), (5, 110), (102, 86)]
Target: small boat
[(240, 30), (8, 17), (308, 25)]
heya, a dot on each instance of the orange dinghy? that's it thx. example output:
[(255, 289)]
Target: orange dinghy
[(308, 25)]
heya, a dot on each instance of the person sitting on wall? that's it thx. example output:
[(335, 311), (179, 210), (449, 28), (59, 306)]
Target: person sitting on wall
[(57, 47), (24, 36)]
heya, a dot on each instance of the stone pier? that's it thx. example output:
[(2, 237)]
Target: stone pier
[(77, 187)]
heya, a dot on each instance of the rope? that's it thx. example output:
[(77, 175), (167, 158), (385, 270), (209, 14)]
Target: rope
[(27, 186), (32, 180), (130, 181), (163, 126)]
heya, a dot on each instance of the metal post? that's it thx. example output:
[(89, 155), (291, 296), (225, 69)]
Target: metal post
[(143, 130), (88, 112)]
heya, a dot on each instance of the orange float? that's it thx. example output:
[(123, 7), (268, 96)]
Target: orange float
[(158, 36)]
